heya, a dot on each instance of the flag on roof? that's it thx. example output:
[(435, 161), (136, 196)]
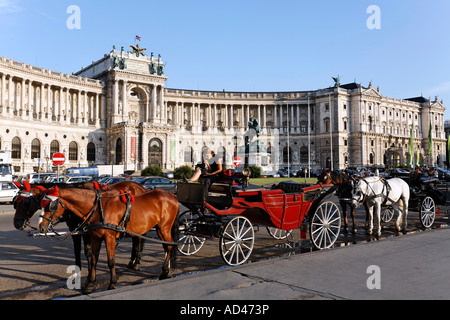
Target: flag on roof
[(138, 38)]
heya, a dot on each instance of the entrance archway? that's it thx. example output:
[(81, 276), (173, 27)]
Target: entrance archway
[(155, 152)]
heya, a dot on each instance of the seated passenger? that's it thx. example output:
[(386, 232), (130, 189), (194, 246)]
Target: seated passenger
[(210, 170)]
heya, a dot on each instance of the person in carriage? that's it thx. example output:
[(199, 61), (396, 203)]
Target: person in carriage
[(210, 170)]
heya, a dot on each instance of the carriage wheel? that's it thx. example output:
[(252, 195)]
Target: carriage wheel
[(325, 225), (189, 244), (237, 240), (427, 212), (278, 234), (387, 214)]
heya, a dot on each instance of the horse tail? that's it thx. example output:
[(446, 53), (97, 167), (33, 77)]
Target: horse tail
[(175, 231)]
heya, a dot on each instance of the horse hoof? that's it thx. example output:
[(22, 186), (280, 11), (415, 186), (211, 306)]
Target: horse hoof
[(88, 289), (345, 230), (355, 231), (112, 287), (134, 266)]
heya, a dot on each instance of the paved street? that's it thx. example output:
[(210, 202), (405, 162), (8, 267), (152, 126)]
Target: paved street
[(414, 266), (37, 268)]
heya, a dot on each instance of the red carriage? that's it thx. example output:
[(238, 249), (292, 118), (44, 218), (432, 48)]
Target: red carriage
[(228, 211)]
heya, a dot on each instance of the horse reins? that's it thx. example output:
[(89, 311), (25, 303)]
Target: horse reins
[(84, 227)]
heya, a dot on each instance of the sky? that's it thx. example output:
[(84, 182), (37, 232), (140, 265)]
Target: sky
[(246, 45)]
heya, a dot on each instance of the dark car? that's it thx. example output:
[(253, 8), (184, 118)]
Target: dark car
[(162, 183)]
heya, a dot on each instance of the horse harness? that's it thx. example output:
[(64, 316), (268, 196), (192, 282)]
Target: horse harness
[(85, 227), (386, 187)]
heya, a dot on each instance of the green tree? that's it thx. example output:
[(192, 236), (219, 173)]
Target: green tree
[(152, 171), (183, 171)]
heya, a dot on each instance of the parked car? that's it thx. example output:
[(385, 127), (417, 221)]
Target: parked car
[(113, 180), (270, 174), (284, 173), (8, 191), (398, 173), (169, 175), (35, 178), (56, 179), (443, 174), (71, 180), (159, 183)]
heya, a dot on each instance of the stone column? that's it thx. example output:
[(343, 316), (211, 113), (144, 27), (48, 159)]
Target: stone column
[(97, 110), (79, 117), (68, 108), (275, 115), (10, 97), (3, 101), (281, 119), (21, 106), (293, 126), (59, 115), (264, 125), (124, 101), (30, 101), (49, 104), (154, 103), (41, 104)]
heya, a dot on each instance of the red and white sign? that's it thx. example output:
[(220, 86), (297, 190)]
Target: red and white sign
[(59, 159), (237, 161)]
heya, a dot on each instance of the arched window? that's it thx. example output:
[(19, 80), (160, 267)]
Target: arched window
[(73, 151), (287, 155), (188, 155), (91, 152), (35, 149), (54, 148), (304, 155), (155, 152), (118, 151), (16, 148), (370, 123)]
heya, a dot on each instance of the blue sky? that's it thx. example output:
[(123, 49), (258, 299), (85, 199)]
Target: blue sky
[(246, 45)]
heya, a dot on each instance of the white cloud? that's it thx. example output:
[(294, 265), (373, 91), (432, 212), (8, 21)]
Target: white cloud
[(9, 6), (442, 88)]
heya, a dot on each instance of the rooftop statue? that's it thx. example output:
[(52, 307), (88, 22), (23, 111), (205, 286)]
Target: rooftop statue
[(138, 51), (337, 81)]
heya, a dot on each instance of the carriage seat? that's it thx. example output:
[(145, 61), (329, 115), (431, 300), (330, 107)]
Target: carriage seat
[(230, 177), (289, 187)]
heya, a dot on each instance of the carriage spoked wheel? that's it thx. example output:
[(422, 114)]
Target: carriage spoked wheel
[(427, 212), (278, 234), (325, 226), (387, 213), (189, 244), (237, 240)]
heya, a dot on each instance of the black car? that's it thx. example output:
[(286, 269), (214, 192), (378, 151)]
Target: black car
[(162, 183)]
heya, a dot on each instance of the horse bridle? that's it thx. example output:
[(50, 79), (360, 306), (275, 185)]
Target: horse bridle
[(364, 198), (55, 202), (23, 195)]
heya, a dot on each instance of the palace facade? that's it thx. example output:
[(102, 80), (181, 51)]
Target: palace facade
[(117, 111)]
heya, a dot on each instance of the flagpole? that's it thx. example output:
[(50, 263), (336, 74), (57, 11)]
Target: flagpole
[(331, 133), (309, 139)]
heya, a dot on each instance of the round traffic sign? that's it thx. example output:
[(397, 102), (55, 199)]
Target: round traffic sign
[(237, 161), (58, 159)]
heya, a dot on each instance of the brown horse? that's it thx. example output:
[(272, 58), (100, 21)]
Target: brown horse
[(344, 193), (28, 202), (103, 212)]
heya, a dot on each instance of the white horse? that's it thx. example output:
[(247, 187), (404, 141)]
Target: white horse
[(375, 192)]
